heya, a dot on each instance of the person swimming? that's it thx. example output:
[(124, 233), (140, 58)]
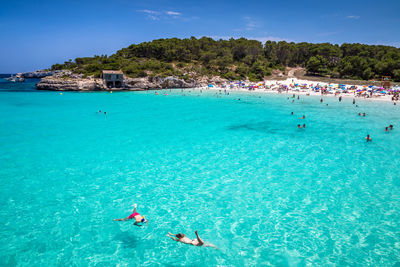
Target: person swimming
[(299, 126), (368, 138), (139, 219), (198, 242), (304, 125)]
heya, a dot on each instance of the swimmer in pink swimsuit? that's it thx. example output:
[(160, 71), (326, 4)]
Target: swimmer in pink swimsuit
[(139, 219)]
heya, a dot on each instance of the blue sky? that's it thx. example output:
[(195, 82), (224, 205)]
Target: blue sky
[(36, 34)]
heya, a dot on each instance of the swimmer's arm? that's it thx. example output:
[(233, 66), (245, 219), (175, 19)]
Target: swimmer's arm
[(173, 238), (123, 219)]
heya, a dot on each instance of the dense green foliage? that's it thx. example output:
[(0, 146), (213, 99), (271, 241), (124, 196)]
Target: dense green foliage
[(242, 58)]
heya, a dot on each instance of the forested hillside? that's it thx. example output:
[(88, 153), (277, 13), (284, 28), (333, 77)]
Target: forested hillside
[(241, 58)]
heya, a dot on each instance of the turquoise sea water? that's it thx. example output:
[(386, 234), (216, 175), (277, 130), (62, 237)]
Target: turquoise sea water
[(239, 172)]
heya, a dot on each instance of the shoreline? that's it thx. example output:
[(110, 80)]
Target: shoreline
[(386, 98), (290, 85), (305, 92)]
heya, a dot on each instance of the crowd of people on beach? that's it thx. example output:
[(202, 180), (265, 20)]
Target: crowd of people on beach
[(310, 87)]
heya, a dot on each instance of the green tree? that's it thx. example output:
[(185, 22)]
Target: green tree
[(316, 65)]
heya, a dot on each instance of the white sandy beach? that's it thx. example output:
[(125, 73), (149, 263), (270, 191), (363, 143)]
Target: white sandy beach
[(305, 87)]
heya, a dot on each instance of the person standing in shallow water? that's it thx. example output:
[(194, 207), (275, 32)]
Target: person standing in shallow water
[(368, 138), (198, 242)]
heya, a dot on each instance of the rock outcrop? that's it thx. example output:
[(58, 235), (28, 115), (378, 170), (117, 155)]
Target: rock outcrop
[(67, 81), (159, 83), (38, 73)]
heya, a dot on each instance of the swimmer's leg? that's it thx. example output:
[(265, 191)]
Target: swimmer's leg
[(210, 245)]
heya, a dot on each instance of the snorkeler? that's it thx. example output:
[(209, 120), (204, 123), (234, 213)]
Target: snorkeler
[(139, 219), (198, 242)]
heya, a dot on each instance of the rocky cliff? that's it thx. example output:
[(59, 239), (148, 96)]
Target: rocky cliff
[(67, 81), (38, 73)]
